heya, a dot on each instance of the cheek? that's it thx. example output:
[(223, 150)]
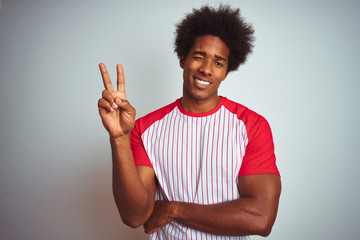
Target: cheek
[(221, 77), (224, 75)]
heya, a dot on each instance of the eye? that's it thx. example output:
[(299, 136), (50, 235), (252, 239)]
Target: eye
[(219, 64), (198, 57)]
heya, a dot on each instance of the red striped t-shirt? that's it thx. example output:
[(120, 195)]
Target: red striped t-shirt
[(198, 157)]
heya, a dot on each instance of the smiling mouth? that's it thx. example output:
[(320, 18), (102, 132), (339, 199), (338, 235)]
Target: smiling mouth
[(202, 82)]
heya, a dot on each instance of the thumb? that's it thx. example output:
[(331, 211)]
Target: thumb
[(124, 105)]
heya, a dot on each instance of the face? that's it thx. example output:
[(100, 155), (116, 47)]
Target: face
[(205, 67)]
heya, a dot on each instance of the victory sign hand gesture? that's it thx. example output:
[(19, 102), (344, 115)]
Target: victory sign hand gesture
[(117, 115)]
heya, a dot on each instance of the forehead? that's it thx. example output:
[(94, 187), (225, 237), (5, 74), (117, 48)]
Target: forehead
[(211, 45)]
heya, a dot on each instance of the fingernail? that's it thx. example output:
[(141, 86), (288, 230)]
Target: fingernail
[(111, 109), (114, 105)]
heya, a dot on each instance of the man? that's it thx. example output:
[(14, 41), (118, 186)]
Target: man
[(203, 166)]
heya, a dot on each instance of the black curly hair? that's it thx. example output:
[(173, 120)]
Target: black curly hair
[(225, 23)]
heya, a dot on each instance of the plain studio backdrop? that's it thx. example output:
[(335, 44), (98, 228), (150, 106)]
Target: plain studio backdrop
[(55, 172)]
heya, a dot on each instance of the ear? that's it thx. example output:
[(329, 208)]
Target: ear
[(181, 61)]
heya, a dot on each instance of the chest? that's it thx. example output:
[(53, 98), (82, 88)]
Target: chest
[(197, 158)]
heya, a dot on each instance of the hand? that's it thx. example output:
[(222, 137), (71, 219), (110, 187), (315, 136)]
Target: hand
[(117, 115), (160, 216)]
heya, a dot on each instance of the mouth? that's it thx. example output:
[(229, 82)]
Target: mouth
[(202, 82)]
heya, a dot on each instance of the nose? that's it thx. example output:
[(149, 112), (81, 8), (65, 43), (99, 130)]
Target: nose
[(206, 68)]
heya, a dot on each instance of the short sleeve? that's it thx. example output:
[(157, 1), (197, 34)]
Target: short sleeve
[(259, 155), (140, 156)]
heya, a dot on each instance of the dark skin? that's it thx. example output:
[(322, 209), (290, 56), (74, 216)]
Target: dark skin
[(205, 67), (133, 188)]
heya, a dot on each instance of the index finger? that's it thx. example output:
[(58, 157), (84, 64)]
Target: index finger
[(106, 77), (120, 79)]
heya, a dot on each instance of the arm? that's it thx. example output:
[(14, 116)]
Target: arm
[(133, 187), (253, 214)]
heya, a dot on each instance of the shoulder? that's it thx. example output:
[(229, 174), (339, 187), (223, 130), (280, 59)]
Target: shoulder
[(146, 121), (243, 113), (255, 124)]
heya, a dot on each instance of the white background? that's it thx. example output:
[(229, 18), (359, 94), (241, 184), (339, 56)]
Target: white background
[(55, 172)]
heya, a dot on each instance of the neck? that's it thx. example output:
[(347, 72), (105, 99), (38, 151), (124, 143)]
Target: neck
[(199, 106)]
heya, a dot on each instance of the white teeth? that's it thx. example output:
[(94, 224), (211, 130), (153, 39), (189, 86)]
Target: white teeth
[(202, 82)]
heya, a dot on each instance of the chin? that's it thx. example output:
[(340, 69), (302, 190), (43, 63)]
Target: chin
[(200, 97)]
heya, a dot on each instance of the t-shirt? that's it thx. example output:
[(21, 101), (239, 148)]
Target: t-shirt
[(198, 157)]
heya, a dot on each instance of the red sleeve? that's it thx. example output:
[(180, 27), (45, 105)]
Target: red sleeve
[(140, 156), (259, 153)]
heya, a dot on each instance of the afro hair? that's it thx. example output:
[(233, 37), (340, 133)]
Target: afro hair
[(225, 23)]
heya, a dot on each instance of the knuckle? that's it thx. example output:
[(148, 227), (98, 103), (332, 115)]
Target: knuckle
[(101, 102), (106, 94)]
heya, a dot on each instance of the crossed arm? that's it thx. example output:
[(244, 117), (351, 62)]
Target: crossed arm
[(134, 187), (253, 214)]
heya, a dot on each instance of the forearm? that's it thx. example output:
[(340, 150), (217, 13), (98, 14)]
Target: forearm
[(237, 217), (133, 200), (252, 214)]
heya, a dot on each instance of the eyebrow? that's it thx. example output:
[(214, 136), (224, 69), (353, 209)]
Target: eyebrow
[(202, 53), (220, 58)]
